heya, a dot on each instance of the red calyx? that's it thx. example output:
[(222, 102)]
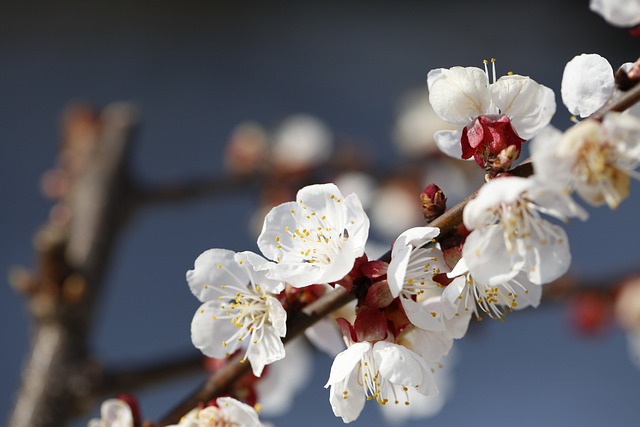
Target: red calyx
[(488, 140)]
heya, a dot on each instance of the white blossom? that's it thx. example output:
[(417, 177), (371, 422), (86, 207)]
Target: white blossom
[(509, 234), (227, 412), (414, 261), (382, 371), (315, 239), (460, 95), (465, 295), (239, 309), (301, 141), (587, 84), (113, 413), (622, 13), (596, 159)]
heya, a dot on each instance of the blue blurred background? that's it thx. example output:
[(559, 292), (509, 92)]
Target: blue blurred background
[(196, 69)]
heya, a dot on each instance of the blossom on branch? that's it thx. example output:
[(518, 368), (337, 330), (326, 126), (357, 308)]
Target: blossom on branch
[(509, 234), (226, 412), (595, 159), (414, 261), (239, 309), (383, 371), (493, 119), (315, 239)]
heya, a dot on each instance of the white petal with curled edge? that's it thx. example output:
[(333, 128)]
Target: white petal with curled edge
[(347, 406), (449, 142), (256, 267), (346, 362), (529, 105), (460, 94), (621, 13), (214, 268), (422, 317), (397, 269), (209, 333), (587, 84), (266, 351), (397, 363), (451, 295)]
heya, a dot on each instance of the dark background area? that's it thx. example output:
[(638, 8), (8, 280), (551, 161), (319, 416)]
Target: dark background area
[(196, 69)]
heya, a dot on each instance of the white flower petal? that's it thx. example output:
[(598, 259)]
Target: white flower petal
[(398, 364), (622, 13), (459, 94), (449, 142), (346, 361), (214, 268), (211, 335), (529, 105), (349, 406), (255, 266), (421, 316), (488, 259), (587, 84), (550, 258), (237, 412), (268, 350)]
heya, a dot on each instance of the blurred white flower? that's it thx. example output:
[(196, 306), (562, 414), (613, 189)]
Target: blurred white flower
[(239, 310), (227, 412), (596, 159), (247, 149), (395, 208), (627, 310), (416, 124), (622, 13), (358, 183), (284, 379), (113, 413), (301, 142), (315, 239)]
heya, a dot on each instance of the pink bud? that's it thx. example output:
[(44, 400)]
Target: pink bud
[(434, 202)]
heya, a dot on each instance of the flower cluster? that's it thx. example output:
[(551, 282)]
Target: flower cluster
[(413, 303)]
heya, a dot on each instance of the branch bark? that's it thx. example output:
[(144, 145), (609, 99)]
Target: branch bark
[(74, 254)]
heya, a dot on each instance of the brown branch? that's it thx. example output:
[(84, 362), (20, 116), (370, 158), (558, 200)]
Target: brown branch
[(114, 381), (73, 254)]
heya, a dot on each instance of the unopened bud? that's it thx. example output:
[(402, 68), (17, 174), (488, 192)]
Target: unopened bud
[(433, 201)]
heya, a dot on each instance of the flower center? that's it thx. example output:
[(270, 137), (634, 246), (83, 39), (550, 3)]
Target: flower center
[(248, 311), (490, 299), (377, 387)]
